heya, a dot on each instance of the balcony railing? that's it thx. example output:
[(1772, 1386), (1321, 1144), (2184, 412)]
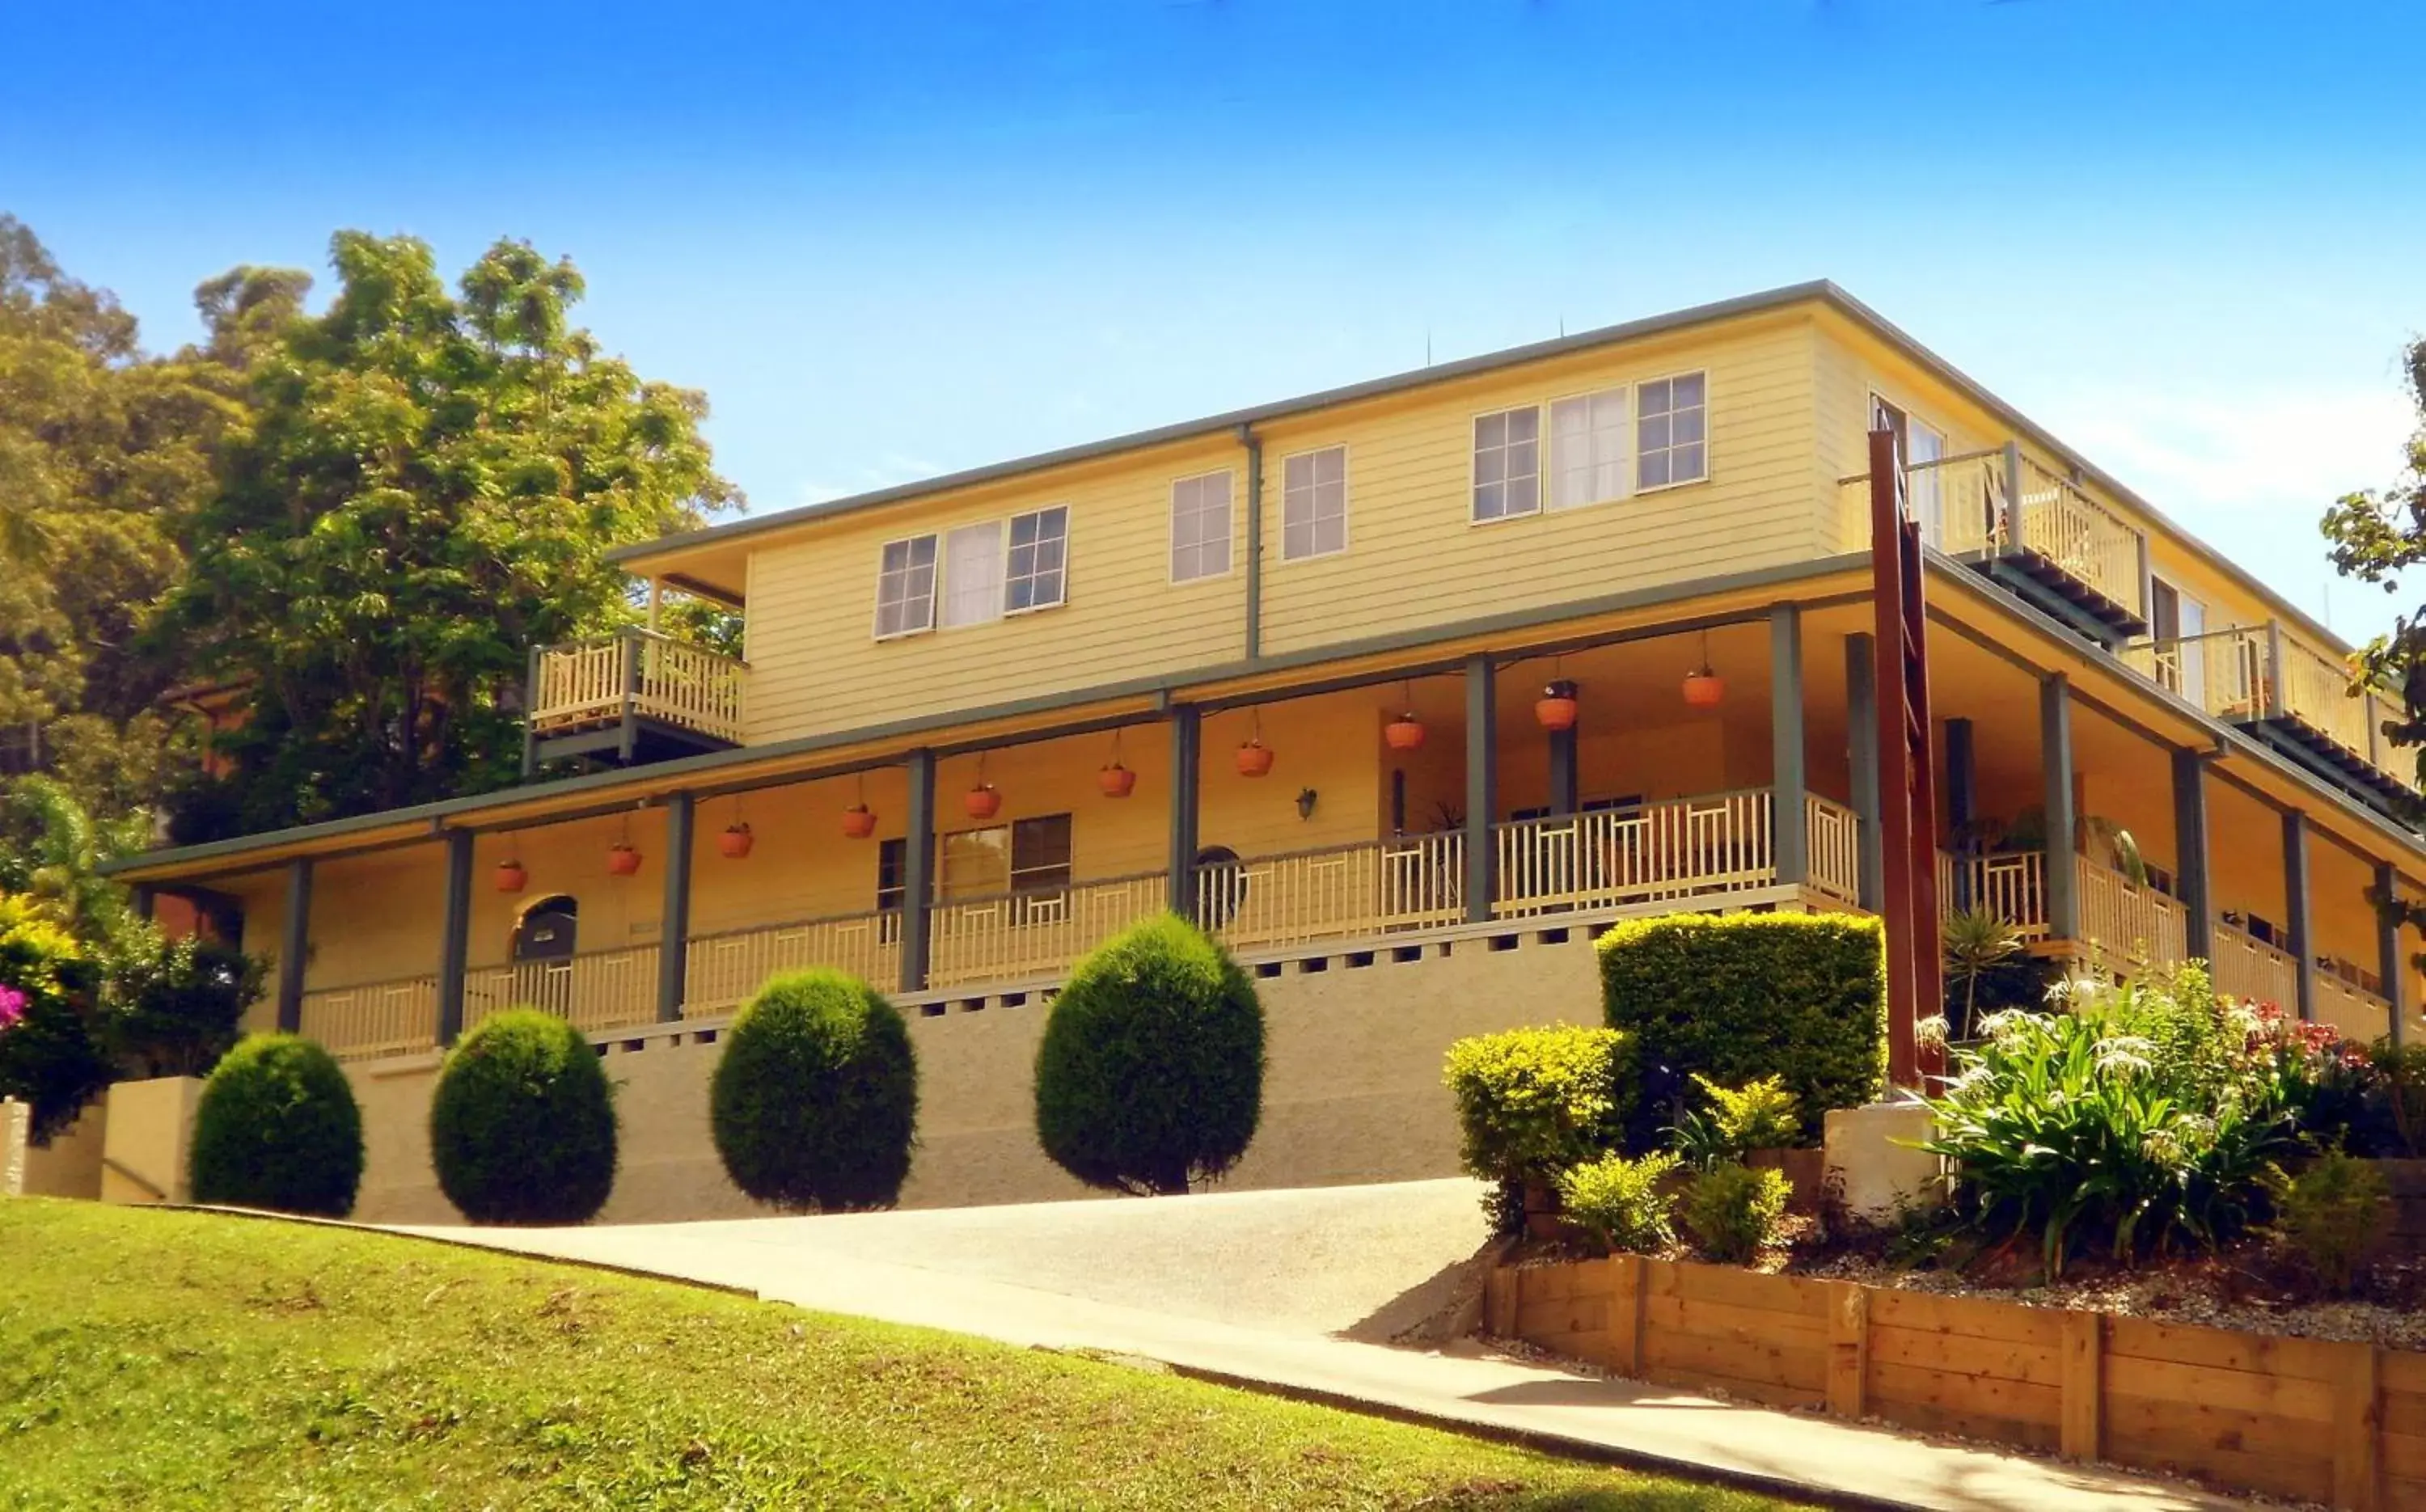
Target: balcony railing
[(2010, 885), (1340, 892), (2128, 926), (2004, 503), (2259, 672), (2349, 1006), (2247, 967), (1610, 857), (373, 1019), (1016, 937), (604, 989), (2085, 539), (723, 971), (638, 674)]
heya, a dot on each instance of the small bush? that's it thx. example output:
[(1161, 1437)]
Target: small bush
[(1530, 1103), (1733, 1210), (1757, 1116), (815, 1097), (278, 1128), (522, 1127), (2332, 1215), (1742, 996), (1624, 1203), (1151, 1071), (177, 1006)]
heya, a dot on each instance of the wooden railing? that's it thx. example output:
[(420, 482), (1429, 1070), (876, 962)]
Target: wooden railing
[(2089, 542), (2246, 967), (2127, 926), (2359, 1014), (604, 989), (639, 672), (1960, 502), (1677, 849), (1017, 936), (1833, 835), (2261, 672), (373, 1018), (723, 971), (1335, 893), (2010, 885)]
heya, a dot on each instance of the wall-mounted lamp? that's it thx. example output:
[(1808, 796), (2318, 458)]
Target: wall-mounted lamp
[(1305, 803)]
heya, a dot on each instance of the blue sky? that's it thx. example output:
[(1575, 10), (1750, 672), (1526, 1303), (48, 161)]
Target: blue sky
[(897, 239)]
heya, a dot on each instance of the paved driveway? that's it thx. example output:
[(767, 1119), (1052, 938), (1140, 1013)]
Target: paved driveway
[(1296, 1291)]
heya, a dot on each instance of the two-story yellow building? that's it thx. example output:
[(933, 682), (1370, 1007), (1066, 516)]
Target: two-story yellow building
[(1526, 641)]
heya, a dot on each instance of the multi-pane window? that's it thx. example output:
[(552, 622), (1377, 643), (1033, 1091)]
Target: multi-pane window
[(1026, 856), (1507, 463), (1040, 545), (973, 574), (905, 586), (1588, 449), (1671, 432), (1200, 526), (1314, 503)]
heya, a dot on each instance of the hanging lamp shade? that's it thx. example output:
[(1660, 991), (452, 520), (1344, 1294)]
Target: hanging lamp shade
[(1557, 706)]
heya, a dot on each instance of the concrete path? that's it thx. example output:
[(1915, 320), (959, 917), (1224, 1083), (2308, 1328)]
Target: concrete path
[(1280, 1290)]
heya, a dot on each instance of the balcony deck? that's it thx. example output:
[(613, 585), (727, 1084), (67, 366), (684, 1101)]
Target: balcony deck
[(1716, 851), (633, 696)]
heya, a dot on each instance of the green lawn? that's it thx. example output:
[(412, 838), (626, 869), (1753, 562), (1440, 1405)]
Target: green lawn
[(152, 1359)]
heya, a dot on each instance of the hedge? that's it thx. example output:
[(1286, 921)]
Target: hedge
[(522, 1127), (815, 1097), (1741, 996), (278, 1128), (1151, 1072)]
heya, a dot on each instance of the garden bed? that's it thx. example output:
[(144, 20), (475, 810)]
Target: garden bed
[(2319, 1420)]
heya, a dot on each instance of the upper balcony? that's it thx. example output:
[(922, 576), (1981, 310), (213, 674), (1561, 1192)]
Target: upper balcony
[(632, 697), (2032, 529), (2299, 700)]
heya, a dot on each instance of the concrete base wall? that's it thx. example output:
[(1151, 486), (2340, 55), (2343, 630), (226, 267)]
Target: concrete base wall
[(147, 1128), (70, 1165), (1352, 1094)]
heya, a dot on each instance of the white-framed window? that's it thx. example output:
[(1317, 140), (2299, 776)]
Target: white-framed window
[(1200, 526), (905, 588), (1314, 503), (1507, 463), (973, 574), (1036, 576), (1591, 451), (1670, 432)]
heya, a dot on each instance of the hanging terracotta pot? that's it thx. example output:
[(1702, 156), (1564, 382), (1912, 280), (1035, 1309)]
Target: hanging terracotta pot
[(1254, 758), (1556, 707), (1703, 688), (1405, 732), (512, 876), (1117, 782), (735, 840), (982, 802), (622, 860), (858, 822)]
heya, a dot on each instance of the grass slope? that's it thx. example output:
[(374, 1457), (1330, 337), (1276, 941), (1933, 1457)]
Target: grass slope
[(153, 1359)]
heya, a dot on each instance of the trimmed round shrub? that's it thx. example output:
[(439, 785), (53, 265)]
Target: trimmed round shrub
[(1151, 1072), (815, 1097), (521, 1128), (278, 1128), (1530, 1103)]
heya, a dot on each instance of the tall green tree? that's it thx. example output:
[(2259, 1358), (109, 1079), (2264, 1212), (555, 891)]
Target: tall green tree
[(105, 456), (2378, 534), (421, 490)]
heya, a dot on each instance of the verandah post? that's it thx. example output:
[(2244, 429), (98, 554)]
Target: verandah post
[(2055, 764), (673, 915), (2191, 848), (1861, 755), (1789, 825), (917, 870), (455, 937), (2295, 900), (2387, 949), (1187, 746), (294, 945), (1481, 784)]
